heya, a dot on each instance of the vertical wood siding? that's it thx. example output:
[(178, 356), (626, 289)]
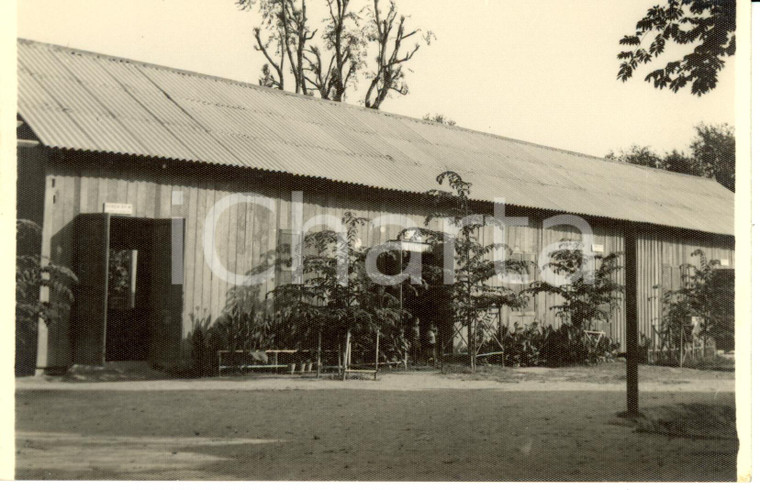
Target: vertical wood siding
[(247, 234)]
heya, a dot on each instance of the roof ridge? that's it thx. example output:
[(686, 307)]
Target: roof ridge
[(354, 107)]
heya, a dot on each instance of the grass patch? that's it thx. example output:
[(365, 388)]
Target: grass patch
[(695, 420)]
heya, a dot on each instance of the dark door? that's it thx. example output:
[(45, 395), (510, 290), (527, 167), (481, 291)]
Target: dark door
[(128, 322), (91, 267), (167, 279)]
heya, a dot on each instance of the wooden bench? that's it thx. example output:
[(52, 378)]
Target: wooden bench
[(273, 354)]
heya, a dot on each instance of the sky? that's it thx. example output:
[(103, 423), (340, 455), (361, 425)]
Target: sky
[(540, 71)]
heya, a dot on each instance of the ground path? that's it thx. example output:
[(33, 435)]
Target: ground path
[(502, 425)]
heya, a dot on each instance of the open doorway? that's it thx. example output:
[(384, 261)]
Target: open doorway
[(128, 303), (429, 325)]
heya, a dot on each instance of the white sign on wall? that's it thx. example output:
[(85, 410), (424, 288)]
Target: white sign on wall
[(597, 247), (117, 208)]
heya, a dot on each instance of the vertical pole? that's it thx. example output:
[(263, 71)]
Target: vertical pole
[(401, 302), (440, 351), (470, 350), (631, 321), (319, 354), (377, 353), (347, 359)]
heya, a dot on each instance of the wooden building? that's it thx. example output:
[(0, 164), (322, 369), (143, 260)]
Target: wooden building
[(119, 155)]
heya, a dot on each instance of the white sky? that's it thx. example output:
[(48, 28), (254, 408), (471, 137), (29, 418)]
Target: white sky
[(542, 71)]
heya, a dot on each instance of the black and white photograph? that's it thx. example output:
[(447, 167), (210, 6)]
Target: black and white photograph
[(379, 240)]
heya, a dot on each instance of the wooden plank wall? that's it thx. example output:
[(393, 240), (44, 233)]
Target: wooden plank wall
[(246, 234), (660, 251)]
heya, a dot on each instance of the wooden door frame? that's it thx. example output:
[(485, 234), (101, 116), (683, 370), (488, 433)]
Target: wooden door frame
[(80, 352)]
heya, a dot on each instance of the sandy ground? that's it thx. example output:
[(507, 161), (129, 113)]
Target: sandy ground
[(513, 424)]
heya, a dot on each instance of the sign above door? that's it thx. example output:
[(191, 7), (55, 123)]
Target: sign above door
[(124, 208)]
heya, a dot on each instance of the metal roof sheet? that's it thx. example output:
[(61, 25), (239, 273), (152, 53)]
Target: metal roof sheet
[(77, 100)]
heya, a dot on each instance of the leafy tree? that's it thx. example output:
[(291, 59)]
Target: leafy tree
[(329, 59), (714, 153), (638, 155), (439, 118), (677, 161), (469, 287), (32, 273), (708, 25)]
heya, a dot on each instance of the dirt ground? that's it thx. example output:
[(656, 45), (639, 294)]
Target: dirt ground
[(500, 425)]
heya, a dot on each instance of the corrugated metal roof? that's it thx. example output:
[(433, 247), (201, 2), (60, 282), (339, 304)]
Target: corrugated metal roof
[(85, 101)]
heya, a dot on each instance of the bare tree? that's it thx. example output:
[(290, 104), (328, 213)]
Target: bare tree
[(332, 63), (283, 34), (330, 74), (388, 31)]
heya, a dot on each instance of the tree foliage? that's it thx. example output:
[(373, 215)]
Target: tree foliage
[(712, 155), (714, 151), (591, 292), (337, 294), (637, 155), (706, 294), (356, 40), (471, 289), (708, 25)]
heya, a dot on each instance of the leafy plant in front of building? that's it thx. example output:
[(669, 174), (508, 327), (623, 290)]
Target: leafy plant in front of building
[(701, 309), (201, 354), (472, 289), (544, 345), (590, 292), (337, 296), (522, 347), (245, 324), (34, 272)]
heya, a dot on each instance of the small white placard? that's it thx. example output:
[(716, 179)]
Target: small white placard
[(724, 262), (117, 208), (178, 198), (597, 247)]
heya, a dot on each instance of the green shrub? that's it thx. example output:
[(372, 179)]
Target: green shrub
[(523, 346), (536, 345), (567, 345)]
